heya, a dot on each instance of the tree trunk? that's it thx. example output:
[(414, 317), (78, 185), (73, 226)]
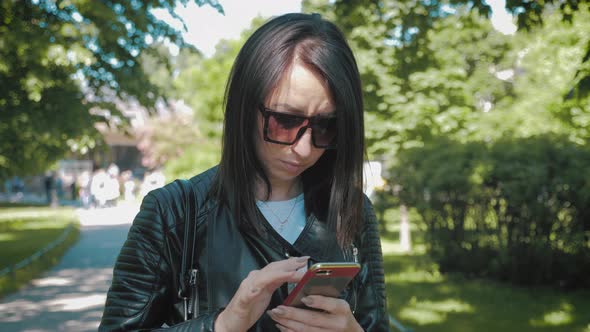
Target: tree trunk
[(404, 229)]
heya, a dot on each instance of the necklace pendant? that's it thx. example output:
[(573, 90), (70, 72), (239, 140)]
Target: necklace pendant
[(282, 226), (282, 222)]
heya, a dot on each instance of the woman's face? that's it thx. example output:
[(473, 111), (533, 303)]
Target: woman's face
[(299, 92)]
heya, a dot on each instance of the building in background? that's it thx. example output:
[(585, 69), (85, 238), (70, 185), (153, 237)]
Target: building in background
[(122, 146)]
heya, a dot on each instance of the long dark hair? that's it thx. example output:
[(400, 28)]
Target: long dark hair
[(333, 186)]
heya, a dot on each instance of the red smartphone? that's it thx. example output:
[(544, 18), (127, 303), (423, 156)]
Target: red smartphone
[(327, 279)]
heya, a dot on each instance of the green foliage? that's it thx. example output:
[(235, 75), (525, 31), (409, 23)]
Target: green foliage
[(58, 60), (515, 209), (426, 300), (201, 84), (195, 159), (476, 125), (164, 139), (426, 69), (532, 14), (439, 68), (546, 63)]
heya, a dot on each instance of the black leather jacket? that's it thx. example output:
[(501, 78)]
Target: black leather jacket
[(143, 294)]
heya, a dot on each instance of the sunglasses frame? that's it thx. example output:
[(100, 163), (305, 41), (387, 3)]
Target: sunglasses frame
[(311, 120)]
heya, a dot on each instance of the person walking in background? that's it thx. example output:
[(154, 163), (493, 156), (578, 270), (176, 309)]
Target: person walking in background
[(84, 188), (59, 187), (152, 180), (18, 185), (287, 191), (48, 185), (74, 190), (98, 188), (128, 186), (112, 186)]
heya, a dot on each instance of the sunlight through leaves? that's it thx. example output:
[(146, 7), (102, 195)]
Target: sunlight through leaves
[(430, 312), (561, 316)]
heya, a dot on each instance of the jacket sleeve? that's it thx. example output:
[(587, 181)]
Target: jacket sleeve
[(371, 308), (141, 296)]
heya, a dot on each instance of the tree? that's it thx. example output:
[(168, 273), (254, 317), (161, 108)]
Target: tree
[(531, 14), (201, 84), (545, 62), (434, 68), (574, 107), (427, 69), (61, 59), (437, 70)]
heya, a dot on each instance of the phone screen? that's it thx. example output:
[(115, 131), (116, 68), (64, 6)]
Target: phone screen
[(327, 279)]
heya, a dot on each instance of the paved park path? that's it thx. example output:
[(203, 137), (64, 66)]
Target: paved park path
[(71, 296)]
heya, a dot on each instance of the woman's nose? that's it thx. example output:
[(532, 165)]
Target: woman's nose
[(303, 145)]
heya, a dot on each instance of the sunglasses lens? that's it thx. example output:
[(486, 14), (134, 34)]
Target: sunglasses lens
[(284, 127), (287, 128), (324, 132)]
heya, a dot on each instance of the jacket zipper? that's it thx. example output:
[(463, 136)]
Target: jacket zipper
[(193, 304), (355, 258)]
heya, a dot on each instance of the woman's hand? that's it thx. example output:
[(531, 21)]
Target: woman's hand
[(254, 294), (336, 316)]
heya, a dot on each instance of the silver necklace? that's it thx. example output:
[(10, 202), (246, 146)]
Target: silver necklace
[(282, 222)]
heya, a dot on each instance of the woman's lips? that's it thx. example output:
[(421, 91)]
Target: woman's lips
[(292, 167)]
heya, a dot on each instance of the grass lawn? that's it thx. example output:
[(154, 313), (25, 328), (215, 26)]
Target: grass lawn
[(26, 229), (424, 300)]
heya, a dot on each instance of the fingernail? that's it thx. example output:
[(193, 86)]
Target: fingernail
[(254, 290), (280, 327), (307, 300), (278, 311), (302, 259)]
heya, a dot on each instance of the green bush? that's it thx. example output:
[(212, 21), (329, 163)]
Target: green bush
[(516, 209), (197, 158)]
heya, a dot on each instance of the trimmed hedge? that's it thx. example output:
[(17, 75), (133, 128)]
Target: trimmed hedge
[(517, 209)]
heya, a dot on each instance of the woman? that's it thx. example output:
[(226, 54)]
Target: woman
[(288, 189)]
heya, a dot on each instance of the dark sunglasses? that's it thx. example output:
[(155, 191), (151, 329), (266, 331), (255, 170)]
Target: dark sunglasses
[(284, 128)]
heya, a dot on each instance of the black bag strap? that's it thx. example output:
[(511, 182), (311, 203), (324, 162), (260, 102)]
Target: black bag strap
[(187, 286)]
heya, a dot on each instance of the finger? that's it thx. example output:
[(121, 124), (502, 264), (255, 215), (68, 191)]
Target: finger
[(292, 263), (293, 326), (338, 311), (281, 268), (271, 277), (328, 304), (300, 273), (295, 318), (284, 328), (285, 324), (283, 271)]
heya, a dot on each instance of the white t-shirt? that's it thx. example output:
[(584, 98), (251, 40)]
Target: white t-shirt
[(286, 217)]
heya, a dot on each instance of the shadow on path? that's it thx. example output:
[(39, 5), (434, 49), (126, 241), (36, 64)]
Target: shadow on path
[(71, 296)]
